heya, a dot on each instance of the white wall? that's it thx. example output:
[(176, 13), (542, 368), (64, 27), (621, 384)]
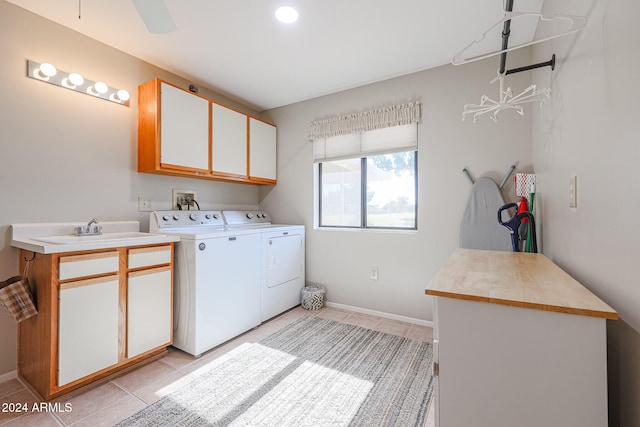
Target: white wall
[(591, 130), (341, 260), (65, 156)]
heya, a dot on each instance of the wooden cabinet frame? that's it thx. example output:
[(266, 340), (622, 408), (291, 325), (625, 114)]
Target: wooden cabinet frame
[(38, 336), (150, 140)]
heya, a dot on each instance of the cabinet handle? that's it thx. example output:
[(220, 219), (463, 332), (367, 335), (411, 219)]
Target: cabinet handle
[(436, 369)]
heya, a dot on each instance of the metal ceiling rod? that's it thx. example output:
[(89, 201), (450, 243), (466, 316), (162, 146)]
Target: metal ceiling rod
[(506, 32)]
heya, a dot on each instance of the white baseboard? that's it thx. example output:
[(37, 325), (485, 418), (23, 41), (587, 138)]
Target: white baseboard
[(380, 314), (8, 376)]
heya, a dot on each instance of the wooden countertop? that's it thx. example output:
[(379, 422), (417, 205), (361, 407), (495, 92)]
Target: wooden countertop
[(516, 279)]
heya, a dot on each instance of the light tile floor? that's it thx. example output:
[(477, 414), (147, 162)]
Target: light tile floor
[(111, 401)]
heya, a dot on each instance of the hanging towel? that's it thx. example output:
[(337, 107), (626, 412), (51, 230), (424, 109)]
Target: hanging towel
[(480, 228)]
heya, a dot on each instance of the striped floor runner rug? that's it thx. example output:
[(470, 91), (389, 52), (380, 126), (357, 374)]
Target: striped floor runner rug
[(314, 372)]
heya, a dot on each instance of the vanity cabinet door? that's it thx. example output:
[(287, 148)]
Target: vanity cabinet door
[(88, 327), (149, 308), (184, 129)]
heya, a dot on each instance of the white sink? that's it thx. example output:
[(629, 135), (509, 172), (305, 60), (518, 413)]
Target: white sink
[(66, 239)]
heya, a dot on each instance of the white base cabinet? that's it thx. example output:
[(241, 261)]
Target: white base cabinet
[(517, 342), (98, 312), (501, 366)]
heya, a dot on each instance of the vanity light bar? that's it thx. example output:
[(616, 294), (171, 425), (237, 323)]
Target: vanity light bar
[(46, 72)]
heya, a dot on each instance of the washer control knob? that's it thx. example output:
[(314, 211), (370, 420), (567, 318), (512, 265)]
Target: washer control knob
[(208, 216), (176, 217), (193, 217), (165, 217), (216, 216), (249, 215)]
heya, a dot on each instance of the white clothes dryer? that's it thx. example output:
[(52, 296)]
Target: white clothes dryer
[(282, 260)]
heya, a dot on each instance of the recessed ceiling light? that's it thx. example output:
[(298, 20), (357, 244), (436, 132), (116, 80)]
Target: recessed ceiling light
[(286, 14)]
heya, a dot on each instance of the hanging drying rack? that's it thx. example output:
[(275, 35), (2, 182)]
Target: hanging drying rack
[(502, 183), (507, 100)]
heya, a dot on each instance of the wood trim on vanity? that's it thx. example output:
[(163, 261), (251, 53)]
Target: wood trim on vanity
[(38, 336), (88, 282)]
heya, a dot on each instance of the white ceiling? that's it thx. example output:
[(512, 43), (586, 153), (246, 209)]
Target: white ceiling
[(239, 49)]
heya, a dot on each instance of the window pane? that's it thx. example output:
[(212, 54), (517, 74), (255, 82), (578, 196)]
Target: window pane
[(341, 190), (391, 190)]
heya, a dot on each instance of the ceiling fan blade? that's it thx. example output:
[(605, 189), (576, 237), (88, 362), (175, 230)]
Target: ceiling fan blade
[(155, 15)]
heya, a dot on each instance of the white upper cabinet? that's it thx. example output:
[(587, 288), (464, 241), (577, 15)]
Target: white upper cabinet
[(183, 134), (262, 150), (184, 130), (228, 141)]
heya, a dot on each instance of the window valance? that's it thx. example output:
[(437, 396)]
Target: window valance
[(398, 115)]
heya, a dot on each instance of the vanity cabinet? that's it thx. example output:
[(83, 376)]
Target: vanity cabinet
[(98, 312), (517, 342), (183, 134)]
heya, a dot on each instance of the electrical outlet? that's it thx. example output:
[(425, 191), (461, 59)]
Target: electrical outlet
[(573, 202), (145, 204), (185, 199), (373, 274)]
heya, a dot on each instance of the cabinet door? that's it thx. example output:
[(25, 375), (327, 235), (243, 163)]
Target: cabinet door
[(149, 303), (262, 150), (229, 141), (184, 129), (88, 327)]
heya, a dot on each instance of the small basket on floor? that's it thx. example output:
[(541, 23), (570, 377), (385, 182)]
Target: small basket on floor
[(313, 297)]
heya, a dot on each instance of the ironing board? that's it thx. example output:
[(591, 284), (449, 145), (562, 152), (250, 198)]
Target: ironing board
[(480, 228)]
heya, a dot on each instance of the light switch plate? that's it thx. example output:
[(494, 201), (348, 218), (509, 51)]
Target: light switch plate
[(573, 201)]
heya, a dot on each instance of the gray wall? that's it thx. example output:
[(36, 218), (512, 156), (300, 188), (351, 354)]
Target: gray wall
[(66, 156), (341, 260), (590, 130)]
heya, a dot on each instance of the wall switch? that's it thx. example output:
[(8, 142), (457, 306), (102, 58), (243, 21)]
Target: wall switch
[(145, 204), (373, 274), (573, 201)]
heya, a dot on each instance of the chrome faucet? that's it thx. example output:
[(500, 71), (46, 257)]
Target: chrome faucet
[(88, 230)]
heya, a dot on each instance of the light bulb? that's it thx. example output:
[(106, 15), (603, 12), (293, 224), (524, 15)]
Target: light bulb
[(286, 14), (47, 70), (101, 87), (76, 79), (120, 96), (123, 95)]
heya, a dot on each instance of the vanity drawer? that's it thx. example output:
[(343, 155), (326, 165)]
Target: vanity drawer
[(75, 266), (147, 257)]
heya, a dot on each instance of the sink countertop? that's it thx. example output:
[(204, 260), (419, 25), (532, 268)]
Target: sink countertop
[(526, 280), (24, 236)]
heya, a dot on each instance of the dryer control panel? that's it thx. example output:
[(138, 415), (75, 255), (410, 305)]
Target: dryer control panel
[(246, 217)]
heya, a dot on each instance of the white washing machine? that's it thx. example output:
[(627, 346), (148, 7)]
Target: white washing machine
[(217, 293), (282, 258)]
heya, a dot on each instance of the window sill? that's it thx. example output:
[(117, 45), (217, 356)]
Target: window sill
[(367, 230)]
